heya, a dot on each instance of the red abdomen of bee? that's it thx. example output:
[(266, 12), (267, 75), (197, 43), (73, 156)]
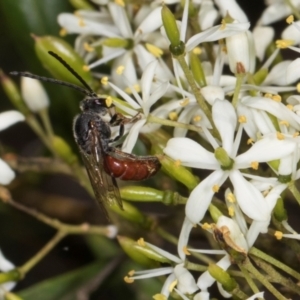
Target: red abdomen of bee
[(136, 169)]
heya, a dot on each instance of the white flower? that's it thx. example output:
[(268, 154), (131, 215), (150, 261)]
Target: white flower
[(5, 266), (185, 282), (150, 95), (34, 94), (143, 42), (193, 155), (7, 119)]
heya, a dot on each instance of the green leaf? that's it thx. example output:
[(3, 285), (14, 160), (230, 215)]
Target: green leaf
[(63, 285)]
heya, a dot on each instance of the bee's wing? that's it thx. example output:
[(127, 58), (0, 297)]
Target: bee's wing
[(105, 186)]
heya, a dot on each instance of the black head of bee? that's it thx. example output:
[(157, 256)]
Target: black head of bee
[(95, 104)]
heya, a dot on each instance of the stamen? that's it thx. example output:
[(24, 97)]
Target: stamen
[(231, 198), (120, 70), (186, 251), (63, 32), (185, 102), (85, 68), (172, 285), (254, 165), (108, 101), (104, 80), (141, 242), (128, 279), (280, 136), (197, 51), (173, 115), (278, 235), (285, 123), (282, 44), (290, 19), (88, 48), (242, 119), (216, 188), (157, 52)]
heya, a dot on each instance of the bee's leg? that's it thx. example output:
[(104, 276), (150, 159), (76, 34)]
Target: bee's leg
[(119, 119)]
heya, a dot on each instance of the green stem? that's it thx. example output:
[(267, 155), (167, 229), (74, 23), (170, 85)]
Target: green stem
[(274, 262), (196, 91), (293, 189), (165, 122), (239, 82), (249, 279), (261, 278), (47, 123), (42, 253)]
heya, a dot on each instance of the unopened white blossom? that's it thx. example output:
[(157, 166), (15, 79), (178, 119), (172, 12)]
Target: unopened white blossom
[(34, 94)]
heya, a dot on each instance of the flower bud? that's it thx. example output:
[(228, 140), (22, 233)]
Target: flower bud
[(241, 54), (136, 252), (13, 93), (66, 52), (177, 47), (222, 277), (81, 4), (63, 150), (34, 94), (225, 161), (197, 70), (280, 212)]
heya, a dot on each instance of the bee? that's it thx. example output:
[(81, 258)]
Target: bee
[(92, 132)]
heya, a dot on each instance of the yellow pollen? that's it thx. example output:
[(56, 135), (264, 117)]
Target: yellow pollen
[(280, 136), (242, 119), (172, 285), (186, 251), (108, 101), (120, 2), (250, 141), (290, 19), (120, 70), (159, 297), (296, 134), (128, 279), (231, 198), (88, 48), (290, 106), (278, 235), (185, 102), (231, 211), (285, 123), (197, 51), (63, 32), (281, 44), (254, 165), (223, 25), (268, 95), (276, 98), (173, 115), (197, 118), (177, 163), (136, 87), (104, 80), (157, 52), (85, 68), (215, 188), (206, 226), (298, 87), (141, 242), (131, 273), (81, 22)]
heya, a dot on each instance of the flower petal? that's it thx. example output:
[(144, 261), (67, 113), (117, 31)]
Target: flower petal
[(6, 173), (225, 119), (201, 196), (184, 237), (267, 149), (249, 198), (132, 136), (9, 118), (191, 154)]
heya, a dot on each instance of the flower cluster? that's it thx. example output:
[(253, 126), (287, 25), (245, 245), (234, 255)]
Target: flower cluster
[(234, 108)]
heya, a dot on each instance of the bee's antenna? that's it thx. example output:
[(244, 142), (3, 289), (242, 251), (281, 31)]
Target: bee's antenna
[(87, 91), (51, 80), (72, 71)]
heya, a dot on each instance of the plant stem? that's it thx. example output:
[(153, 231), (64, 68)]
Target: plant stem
[(293, 189), (274, 262)]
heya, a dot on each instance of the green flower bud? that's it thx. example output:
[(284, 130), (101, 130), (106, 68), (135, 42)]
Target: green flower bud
[(81, 4), (118, 43), (178, 172), (285, 178), (147, 194), (197, 70), (280, 212), (136, 252), (172, 31), (222, 157), (228, 283), (215, 213), (260, 76), (63, 150), (50, 43), (13, 93), (132, 214)]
